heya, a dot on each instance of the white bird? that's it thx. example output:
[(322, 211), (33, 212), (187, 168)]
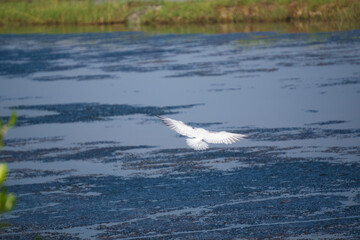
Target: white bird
[(197, 137)]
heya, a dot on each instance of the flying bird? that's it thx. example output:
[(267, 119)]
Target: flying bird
[(199, 137)]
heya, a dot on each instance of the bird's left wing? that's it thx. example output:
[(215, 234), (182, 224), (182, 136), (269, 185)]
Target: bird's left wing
[(178, 126), (222, 137)]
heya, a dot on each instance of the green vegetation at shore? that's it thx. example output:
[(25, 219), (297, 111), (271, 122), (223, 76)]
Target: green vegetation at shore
[(152, 12), (283, 27)]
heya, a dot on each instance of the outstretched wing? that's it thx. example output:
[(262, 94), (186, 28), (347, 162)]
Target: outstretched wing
[(178, 126), (222, 137)]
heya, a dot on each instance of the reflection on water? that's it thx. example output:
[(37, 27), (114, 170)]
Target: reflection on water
[(294, 27), (89, 159)]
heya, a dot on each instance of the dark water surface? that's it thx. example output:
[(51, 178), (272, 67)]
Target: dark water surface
[(90, 160)]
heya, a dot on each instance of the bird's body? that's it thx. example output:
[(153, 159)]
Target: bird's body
[(199, 137)]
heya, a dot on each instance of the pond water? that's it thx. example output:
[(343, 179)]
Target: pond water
[(89, 159)]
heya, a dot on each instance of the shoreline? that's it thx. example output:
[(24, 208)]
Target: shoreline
[(144, 13), (294, 27)]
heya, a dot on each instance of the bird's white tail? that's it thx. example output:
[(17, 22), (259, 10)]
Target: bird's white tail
[(197, 143)]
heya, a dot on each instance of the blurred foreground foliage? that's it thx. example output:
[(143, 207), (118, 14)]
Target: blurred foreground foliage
[(7, 200)]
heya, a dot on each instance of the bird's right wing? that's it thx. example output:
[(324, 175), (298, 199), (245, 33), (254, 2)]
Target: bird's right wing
[(178, 126), (222, 137)]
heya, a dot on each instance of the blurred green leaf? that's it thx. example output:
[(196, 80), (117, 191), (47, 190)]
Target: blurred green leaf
[(2, 201), (12, 119), (9, 202), (5, 127), (3, 172)]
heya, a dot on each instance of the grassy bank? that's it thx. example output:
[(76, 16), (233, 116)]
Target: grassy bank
[(85, 12), (283, 27)]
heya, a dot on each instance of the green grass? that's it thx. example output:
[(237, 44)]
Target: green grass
[(87, 12), (60, 12)]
